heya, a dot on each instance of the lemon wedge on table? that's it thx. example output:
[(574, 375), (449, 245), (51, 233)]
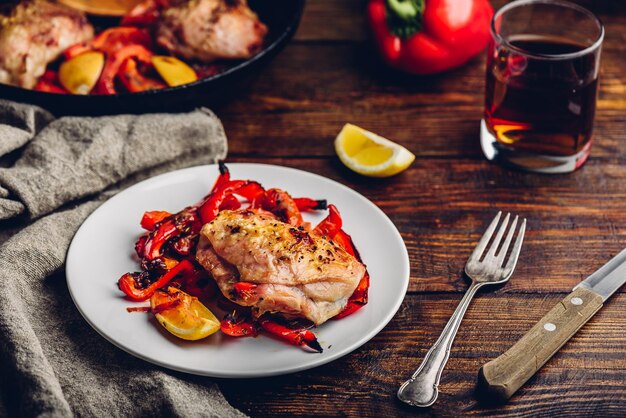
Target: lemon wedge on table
[(183, 315), (369, 154)]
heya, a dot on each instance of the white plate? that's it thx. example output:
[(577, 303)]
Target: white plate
[(102, 250)]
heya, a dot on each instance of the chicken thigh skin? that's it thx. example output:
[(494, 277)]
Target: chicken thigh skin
[(295, 273)]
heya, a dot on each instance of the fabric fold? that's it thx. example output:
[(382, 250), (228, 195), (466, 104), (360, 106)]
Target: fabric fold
[(52, 363), (73, 157)]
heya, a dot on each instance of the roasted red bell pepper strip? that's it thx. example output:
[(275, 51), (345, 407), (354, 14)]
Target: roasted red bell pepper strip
[(76, 50), (223, 178), (429, 36), (151, 218), (245, 290), (106, 83), (331, 225), (306, 204), (48, 87), (230, 203), (185, 223), (281, 204), (237, 325), (210, 207), (49, 82), (136, 82), (128, 283), (331, 228), (140, 245), (358, 299), (113, 39), (298, 337), (185, 244), (253, 192), (158, 237), (199, 285), (51, 76)]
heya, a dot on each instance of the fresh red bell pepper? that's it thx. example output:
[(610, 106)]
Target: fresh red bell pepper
[(128, 282), (429, 36)]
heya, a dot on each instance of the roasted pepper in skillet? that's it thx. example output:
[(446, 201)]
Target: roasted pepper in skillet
[(429, 36)]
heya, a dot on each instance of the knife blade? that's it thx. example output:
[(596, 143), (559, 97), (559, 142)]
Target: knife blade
[(608, 278), (500, 378)]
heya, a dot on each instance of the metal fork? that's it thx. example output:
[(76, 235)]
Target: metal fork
[(421, 388)]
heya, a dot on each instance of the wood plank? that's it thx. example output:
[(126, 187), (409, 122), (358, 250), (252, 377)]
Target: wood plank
[(442, 207), (331, 20), (299, 104), (584, 378), (325, 20)]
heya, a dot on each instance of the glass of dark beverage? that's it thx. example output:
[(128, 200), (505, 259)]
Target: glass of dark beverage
[(542, 80)]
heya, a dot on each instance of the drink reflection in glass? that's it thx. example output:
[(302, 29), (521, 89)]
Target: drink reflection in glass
[(542, 78)]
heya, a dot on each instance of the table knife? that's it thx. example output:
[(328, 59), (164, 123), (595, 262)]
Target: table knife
[(500, 378)]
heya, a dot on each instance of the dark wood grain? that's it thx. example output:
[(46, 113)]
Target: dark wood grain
[(331, 75), (442, 207), (290, 112), (585, 377)]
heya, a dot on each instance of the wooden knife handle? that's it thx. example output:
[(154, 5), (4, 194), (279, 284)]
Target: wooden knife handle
[(500, 378)]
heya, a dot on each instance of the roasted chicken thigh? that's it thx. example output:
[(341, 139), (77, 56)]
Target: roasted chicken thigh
[(33, 35), (286, 269), (208, 30)]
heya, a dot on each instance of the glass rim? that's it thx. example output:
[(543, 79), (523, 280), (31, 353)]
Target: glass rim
[(555, 57)]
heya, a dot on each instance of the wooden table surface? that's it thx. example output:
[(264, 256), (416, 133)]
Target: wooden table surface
[(330, 75)]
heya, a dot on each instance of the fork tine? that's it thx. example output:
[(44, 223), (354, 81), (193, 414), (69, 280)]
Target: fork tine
[(484, 240), (510, 265), (498, 238), (507, 242)]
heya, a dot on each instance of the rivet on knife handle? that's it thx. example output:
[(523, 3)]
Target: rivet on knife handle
[(499, 379)]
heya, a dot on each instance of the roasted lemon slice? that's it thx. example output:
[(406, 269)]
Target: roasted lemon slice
[(369, 154), (174, 71), (183, 315), (80, 74)]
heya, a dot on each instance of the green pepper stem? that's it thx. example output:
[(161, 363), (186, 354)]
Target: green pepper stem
[(406, 9)]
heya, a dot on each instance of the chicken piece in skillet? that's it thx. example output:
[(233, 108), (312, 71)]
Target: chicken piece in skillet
[(261, 262), (33, 35), (208, 30)]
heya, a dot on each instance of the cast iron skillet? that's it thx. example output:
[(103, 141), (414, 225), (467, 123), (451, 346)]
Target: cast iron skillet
[(281, 17)]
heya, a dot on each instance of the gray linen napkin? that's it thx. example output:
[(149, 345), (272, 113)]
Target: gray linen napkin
[(51, 362)]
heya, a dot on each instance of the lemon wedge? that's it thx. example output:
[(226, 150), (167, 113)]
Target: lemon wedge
[(369, 154), (174, 71), (183, 315), (80, 74)]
